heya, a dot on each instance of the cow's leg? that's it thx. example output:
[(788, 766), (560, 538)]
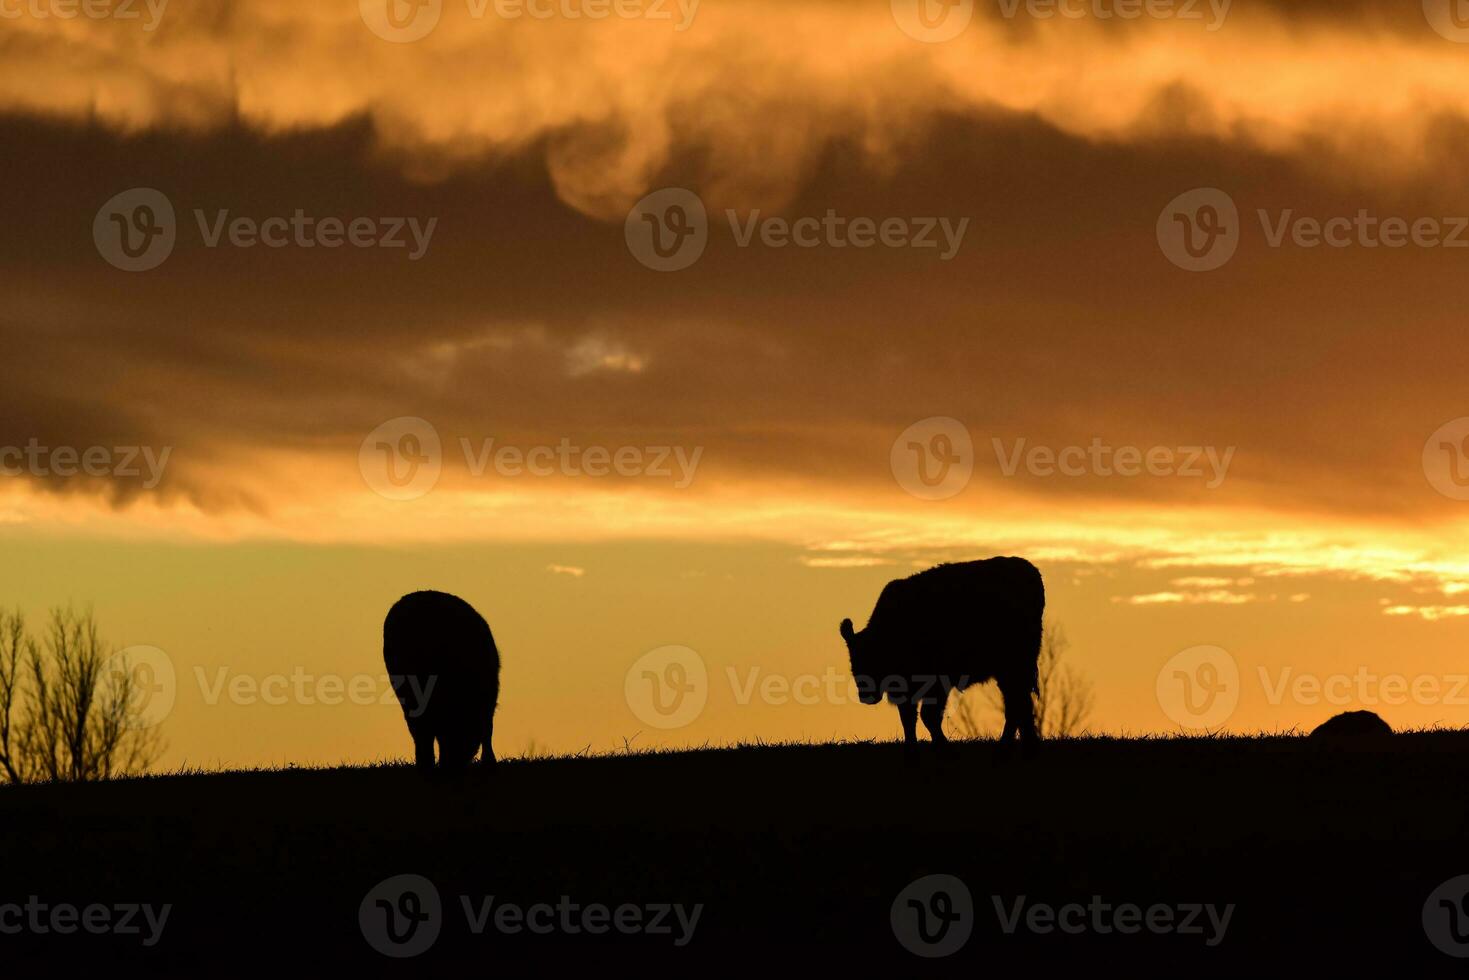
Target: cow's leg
[(1009, 731), (487, 751), (1030, 739), (933, 717), (908, 714), (1017, 706), (1019, 712), (423, 747)]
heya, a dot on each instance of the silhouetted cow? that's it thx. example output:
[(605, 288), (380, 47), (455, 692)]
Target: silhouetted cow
[(947, 628), (444, 667)]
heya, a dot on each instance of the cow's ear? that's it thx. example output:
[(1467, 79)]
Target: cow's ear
[(847, 633)]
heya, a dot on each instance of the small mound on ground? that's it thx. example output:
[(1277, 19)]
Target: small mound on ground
[(1352, 724)]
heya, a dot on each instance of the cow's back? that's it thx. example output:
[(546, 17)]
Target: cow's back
[(972, 619), (439, 638), (951, 595)]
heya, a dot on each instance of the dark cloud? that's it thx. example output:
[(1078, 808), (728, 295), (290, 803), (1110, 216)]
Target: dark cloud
[(1058, 320)]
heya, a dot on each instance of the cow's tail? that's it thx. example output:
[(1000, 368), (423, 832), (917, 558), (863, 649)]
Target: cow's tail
[(1034, 660), (1040, 632)]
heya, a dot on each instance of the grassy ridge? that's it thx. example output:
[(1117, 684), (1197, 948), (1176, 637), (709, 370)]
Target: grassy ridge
[(1326, 851)]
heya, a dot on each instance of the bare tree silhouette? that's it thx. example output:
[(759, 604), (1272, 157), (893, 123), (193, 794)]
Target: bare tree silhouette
[(1064, 697), (68, 706)]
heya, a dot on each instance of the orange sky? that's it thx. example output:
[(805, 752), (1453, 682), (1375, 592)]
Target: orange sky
[(1296, 490)]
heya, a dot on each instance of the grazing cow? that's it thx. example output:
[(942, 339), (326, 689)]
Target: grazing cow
[(947, 628), (444, 667)]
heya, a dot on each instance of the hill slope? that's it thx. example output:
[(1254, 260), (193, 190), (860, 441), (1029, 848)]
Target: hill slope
[(1326, 854)]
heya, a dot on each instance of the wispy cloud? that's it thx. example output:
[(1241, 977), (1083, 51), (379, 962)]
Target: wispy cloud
[(1220, 597), (1430, 613)]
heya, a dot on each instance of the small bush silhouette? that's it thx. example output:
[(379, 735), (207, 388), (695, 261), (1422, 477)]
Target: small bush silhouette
[(69, 709), (1352, 724)]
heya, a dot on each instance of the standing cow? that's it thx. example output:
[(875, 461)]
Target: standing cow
[(444, 667), (946, 628)]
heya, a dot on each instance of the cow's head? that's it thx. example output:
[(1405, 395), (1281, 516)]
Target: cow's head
[(859, 649)]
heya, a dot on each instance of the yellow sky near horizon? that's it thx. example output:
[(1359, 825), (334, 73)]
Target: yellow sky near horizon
[(267, 637)]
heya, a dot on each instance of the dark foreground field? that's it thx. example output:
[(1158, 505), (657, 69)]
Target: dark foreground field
[(1327, 854)]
